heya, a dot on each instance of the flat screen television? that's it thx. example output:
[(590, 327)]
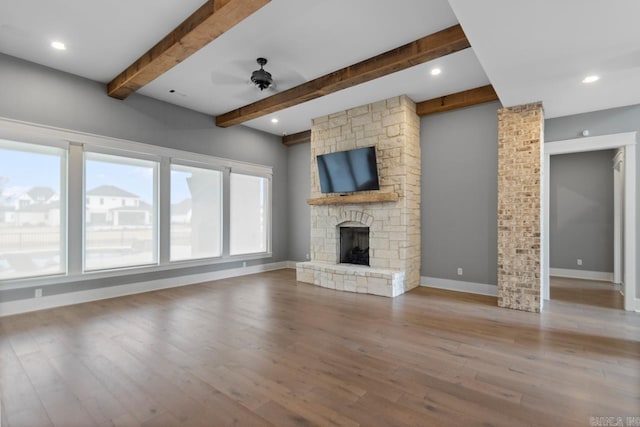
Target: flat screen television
[(348, 171)]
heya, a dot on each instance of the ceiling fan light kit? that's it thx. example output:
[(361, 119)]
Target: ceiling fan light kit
[(261, 78)]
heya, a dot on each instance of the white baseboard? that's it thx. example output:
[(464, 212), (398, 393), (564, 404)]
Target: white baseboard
[(603, 276), (34, 304), (637, 305), (291, 264), (459, 286)]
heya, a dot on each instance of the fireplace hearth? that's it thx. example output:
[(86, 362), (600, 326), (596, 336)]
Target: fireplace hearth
[(354, 245)]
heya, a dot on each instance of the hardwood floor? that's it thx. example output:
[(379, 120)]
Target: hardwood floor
[(263, 350), (587, 292)]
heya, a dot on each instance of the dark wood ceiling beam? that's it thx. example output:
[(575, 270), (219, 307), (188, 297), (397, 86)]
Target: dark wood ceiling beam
[(297, 138), (462, 99), (211, 20), (466, 98), (433, 46)]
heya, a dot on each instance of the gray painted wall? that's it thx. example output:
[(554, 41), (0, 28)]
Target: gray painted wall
[(299, 210), (615, 120), (37, 94), (460, 194), (581, 211), (459, 186)]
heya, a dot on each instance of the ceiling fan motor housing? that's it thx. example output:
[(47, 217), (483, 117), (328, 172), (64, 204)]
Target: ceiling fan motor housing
[(261, 78)]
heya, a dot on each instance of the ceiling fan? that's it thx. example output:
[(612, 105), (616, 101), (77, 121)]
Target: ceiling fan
[(261, 78), (252, 85)]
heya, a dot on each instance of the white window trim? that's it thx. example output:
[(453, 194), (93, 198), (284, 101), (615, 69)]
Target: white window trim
[(48, 134), (64, 196), (199, 165), (63, 138), (196, 164), (156, 196), (269, 210), (118, 152), (122, 272)]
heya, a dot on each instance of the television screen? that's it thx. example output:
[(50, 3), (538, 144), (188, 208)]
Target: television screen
[(348, 171)]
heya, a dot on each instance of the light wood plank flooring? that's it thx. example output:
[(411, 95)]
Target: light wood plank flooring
[(587, 292), (264, 350)]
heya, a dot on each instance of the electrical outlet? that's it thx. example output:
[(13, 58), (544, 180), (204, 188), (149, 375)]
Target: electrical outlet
[(38, 292), (459, 271), (306, 256), (579, 261)]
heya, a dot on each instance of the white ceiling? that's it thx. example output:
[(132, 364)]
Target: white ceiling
[(103, 37), (541, 50), (302, 40), (530, 51), (460, 71)]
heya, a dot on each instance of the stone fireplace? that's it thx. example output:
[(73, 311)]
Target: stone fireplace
[(388, 258)]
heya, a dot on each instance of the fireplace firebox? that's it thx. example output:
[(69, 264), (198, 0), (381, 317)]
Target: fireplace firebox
[(354, 245)]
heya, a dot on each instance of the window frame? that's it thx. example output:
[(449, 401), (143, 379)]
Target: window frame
[(76, 143), (268, 210), (223, 203), (155, 211), (48, 144)]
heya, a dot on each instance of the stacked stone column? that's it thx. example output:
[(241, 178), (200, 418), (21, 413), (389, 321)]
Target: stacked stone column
[(520, 139)]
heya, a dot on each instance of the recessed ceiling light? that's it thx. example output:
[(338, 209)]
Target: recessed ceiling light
[(591, 79), (58, 45), (435, 71), (274, 120)]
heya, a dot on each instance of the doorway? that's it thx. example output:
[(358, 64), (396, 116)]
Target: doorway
[(628, 226), (594, 293)]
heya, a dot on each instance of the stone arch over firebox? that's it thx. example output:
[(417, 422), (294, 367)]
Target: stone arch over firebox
[(355, 217)]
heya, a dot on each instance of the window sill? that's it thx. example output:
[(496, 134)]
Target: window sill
[(123, 272)]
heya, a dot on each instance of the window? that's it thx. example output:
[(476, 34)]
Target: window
[(248, 214), (119, 235), (32, 210), (101, 207), (196, 213)]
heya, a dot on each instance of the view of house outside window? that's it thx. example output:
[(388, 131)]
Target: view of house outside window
[(113, 219), (120, 212), (31, 210)]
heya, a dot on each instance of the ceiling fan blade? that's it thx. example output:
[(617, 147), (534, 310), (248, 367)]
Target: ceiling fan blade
[(250, 94), (227, 79)]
